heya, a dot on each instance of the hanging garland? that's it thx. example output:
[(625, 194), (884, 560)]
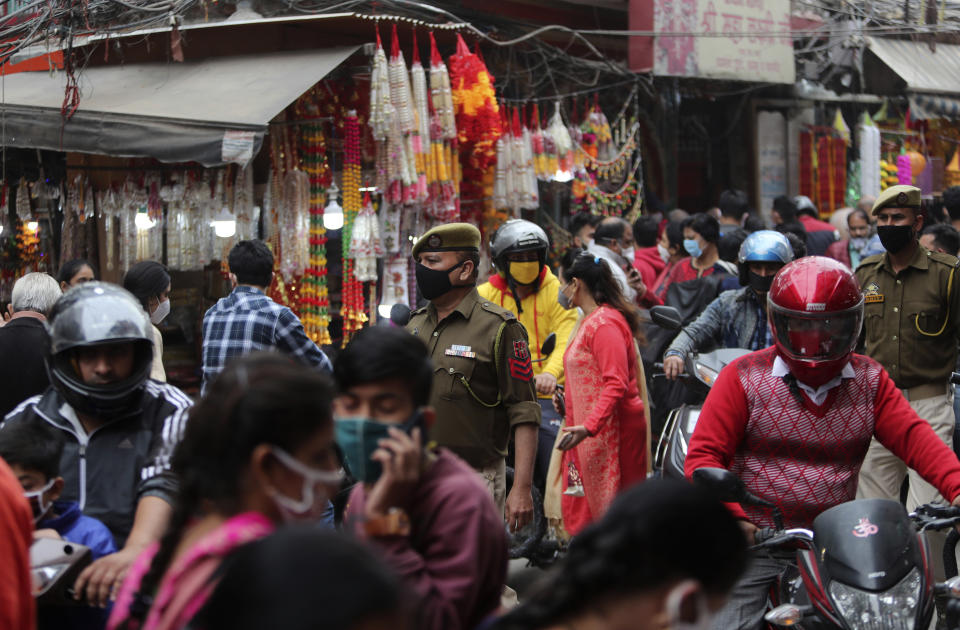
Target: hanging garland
[(352, 308), (314, 293)]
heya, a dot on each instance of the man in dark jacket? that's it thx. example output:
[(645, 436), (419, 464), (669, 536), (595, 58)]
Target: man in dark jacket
[(23, 340), (120, 428)]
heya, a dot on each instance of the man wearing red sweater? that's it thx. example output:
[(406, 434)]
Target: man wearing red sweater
[(794, 421)]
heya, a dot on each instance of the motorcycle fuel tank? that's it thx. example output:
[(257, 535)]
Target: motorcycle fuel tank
[(869, 544)]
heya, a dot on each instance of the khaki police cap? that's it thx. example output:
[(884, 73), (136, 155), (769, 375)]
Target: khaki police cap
[(901, 196), (450, 237)]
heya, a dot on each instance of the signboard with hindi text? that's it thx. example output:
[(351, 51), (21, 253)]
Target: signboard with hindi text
[(745, 40)]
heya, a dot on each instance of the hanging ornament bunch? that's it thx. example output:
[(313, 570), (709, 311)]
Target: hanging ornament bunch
[(478, 121), (366, 245), (352, 309), (420, 138), (598, 127), (443, 175), (544, 152), (314, 293), (515, 181), (559, 135)]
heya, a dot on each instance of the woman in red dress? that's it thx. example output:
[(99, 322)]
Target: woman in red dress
[(605, 439)]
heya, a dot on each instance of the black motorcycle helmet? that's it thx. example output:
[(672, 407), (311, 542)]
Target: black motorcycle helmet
[(95, 314)]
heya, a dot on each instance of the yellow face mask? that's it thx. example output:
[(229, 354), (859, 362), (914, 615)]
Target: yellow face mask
[(525, 272)]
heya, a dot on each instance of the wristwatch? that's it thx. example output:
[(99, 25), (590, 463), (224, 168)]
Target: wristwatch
[(393, 523)]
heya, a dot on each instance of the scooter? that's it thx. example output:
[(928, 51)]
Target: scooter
[(54, 566), (701, 372), (865, 565)]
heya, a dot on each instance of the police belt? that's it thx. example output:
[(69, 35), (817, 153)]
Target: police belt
[(927, 390)]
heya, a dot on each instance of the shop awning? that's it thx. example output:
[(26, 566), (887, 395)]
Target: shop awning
[(928, 106), (211, 111), (922, 69)]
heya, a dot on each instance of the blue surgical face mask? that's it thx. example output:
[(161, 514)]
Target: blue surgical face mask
[(692, 247), (359, 437)]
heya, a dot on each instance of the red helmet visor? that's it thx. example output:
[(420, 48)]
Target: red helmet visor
[(816, 336)]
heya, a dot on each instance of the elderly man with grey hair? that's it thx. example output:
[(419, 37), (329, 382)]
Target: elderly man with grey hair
[(24, 340)]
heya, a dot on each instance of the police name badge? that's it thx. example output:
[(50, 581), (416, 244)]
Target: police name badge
[(872, 295), (460, 351)]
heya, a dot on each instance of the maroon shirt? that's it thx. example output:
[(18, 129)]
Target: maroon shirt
[(455, 557)]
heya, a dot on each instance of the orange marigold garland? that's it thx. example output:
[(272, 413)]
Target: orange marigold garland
[(477, 118), (352, 309)]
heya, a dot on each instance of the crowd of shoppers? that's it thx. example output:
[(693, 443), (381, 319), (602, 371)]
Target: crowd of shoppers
[(215, 512)]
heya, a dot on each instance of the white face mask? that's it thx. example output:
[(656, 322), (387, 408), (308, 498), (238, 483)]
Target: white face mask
[(664, 253), (674, 601), (162, 310), (36, 498), (628, 253), (311, 504)]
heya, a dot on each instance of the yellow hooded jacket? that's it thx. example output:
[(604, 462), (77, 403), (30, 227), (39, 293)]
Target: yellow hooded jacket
[(542, 315)]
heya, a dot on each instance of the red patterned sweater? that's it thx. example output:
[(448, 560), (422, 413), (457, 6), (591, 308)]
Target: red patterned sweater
[(803, 457)]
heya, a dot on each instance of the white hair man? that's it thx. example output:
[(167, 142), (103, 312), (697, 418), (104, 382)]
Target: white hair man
[(25, 337)]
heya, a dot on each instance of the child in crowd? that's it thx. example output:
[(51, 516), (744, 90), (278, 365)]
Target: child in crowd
[(33, 453)]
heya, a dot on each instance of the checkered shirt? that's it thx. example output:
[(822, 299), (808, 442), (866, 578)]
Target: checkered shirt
[(246, 321)]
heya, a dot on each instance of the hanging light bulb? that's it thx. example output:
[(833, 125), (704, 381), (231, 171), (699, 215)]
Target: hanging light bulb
[(224, 225), (33, 226), (143, 220), (563, 176), (333, 213)]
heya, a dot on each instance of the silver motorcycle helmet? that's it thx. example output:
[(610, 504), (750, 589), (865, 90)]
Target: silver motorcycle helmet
[(514, 236), (98, 314)]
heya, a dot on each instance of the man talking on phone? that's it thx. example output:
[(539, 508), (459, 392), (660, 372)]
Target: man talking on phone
[(613, 243), (423, 507)]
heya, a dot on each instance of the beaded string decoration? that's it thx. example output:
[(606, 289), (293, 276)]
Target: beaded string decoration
[(314, 293), (352, 309)]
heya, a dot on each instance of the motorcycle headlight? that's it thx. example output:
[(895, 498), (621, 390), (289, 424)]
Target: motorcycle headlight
[(893, 609), (706, 374), (45, 576)]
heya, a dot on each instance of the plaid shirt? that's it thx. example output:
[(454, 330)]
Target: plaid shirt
[(246, 321)]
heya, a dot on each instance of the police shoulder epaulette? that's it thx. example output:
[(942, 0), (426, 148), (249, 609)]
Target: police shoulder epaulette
[(871, 260), (503, 313), (946, 259)]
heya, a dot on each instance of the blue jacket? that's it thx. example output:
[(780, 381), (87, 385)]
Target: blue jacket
[(733, 320), (74, 527)]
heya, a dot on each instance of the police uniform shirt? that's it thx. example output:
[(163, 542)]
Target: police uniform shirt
[(482, 380), (911, 325)]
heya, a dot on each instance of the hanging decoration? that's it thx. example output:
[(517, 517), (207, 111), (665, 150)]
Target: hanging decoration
[(559, 135), (443, 175), (478, 125), (314, 292), (420, 138), (352, 309), (515, 180), (366, 245), (870, 163)]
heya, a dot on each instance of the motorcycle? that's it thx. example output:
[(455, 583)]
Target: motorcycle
[(701, 372), (54, 567), (865, 565)]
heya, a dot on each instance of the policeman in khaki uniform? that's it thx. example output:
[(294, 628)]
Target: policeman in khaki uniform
[(911, 323), (483, 377)]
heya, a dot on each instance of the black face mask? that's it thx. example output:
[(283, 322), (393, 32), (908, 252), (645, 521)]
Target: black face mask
[(434, 282), (760, 284), (895, 237)]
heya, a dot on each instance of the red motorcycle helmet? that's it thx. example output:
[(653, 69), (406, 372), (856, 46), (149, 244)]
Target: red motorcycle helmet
[(815, 308)]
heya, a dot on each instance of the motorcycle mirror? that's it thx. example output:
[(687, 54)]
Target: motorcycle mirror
[(548, 344), (721, 482), (666, 317)]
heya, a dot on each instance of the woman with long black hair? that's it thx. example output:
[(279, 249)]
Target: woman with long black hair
[(606, 432), (258, 451)]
